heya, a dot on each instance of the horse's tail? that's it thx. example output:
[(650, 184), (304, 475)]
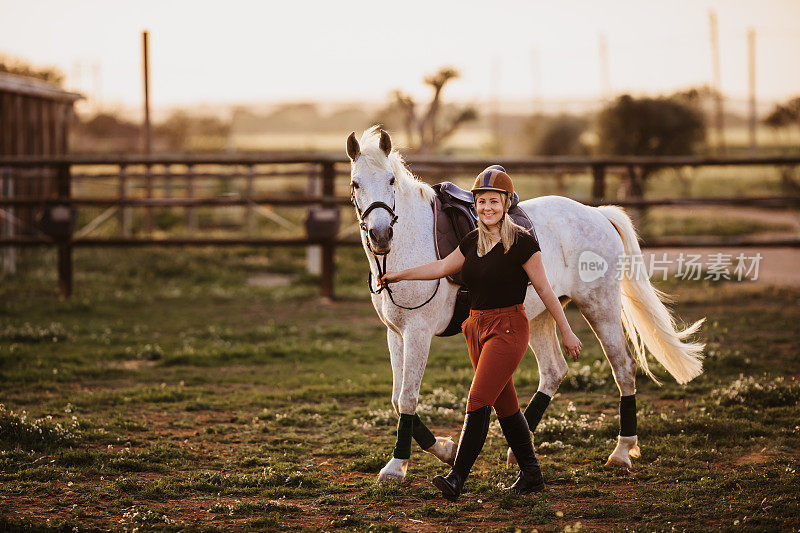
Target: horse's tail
[(646, 319)]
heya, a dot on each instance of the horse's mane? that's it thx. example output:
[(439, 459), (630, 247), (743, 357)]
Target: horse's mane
[(407, 184)]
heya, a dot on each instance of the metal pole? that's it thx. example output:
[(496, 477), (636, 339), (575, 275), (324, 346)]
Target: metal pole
[(605, 77), (720, 118), (751, 52), (146, 69)]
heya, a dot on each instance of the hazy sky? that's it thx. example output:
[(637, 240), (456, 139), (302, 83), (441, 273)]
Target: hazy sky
[(263, 51)]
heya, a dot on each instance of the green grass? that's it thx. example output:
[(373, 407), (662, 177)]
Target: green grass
[(189, 400)]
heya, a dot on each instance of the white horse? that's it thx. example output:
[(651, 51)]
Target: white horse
[(569, 233)]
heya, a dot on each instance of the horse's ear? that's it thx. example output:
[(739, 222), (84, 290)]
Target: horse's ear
[(353, 149), (385, 143)]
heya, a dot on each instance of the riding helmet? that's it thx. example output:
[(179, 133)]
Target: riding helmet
[(493, 178)]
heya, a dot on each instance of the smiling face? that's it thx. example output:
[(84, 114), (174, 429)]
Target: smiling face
[(489, 206)]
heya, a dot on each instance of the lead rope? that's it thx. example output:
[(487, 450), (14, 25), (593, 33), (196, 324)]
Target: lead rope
[(381, 272)]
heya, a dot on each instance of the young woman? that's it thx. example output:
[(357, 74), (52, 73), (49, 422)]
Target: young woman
[(497, 259)]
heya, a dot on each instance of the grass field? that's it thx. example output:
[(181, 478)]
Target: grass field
[(170, 394)]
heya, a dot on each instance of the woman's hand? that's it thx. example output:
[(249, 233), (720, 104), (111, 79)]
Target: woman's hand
[(390, 276), (572, 344)]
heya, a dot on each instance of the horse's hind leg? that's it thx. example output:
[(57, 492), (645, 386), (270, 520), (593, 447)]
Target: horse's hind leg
[(603, 314), (552, 368)]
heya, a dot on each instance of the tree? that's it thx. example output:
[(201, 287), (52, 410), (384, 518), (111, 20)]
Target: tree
[(427, 132), (650, 126), (559, 135), (784, 114)]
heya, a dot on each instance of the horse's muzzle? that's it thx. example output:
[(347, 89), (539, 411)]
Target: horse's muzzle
[(381, 238)]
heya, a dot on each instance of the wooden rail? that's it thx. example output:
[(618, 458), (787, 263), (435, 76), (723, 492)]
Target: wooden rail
[(325, 168)]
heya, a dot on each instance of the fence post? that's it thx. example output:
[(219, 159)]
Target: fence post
[(250, 220), (328, 247), (599, 183), (314, 251), (8, 224), (124, 211), (64, 180), (636, 192), (148, 187), (191, 214), (167, 181)]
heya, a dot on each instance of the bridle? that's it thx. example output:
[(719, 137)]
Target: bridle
[(381, 270)]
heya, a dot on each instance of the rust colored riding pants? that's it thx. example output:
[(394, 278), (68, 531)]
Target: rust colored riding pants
[(496, 341)]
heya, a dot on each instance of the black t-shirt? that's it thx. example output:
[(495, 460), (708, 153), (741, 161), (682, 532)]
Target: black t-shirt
[(497, 279)]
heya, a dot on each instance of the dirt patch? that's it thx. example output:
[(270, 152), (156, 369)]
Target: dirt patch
[(133, 364), (269, 280), (788, 217), (752, 458)]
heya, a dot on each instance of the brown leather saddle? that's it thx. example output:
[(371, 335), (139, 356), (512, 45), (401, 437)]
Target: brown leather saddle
[(454, 216)]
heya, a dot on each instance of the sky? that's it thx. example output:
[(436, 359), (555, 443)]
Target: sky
[(270, 51)]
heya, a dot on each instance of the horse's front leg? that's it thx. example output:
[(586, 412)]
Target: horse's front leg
[(395, 342), (409, 355)]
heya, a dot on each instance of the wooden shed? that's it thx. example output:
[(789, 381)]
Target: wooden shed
[(35, 118)]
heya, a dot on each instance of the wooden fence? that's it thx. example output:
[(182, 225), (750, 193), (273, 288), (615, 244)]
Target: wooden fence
[(321, 172)]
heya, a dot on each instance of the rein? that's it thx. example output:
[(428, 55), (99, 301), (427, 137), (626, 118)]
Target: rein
[(382, 270)]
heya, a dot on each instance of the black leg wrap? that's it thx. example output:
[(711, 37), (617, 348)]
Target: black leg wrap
[(422, 434), (627, 416), (535, 409), (402, 450)]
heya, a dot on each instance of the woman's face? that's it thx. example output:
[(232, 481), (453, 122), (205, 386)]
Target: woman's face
[(489, 206)]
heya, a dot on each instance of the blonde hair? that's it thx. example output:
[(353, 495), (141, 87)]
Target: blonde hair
[(508, 230)]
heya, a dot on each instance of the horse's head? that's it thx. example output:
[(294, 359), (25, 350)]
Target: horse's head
[(372, 186)]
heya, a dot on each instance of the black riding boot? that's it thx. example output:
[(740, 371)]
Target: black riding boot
[(473, 435), (518, 436)]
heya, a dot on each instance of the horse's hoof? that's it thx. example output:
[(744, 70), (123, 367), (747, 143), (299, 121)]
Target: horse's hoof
[(616, 461), (627, 447), (395, 470), (510, 459), (635, 452), (444, 450)]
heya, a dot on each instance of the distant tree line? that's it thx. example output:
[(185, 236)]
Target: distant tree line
[(20, 67), (180, 131)]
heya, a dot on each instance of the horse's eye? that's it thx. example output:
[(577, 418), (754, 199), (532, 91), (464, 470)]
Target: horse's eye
[(354, 185), (391, 181)]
